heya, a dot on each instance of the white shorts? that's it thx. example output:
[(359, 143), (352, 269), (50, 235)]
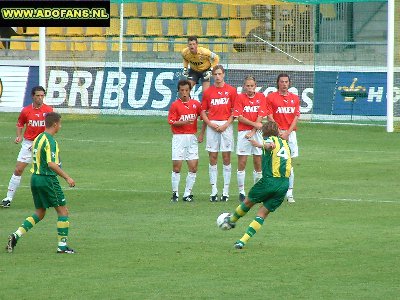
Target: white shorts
[(244, 147), (185, 147), (25, 154), (294, 148), (220, 141)]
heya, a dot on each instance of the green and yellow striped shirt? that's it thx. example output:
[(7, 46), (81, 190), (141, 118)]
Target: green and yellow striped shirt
[(44, 150), (277, 162)]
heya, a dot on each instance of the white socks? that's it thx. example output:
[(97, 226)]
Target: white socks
[(175, 179), (241, 175), (256, 176), (213, 174), (227, 171), (13, 185), (190, 180)]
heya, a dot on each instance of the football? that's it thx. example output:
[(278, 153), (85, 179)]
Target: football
[(221, 223)]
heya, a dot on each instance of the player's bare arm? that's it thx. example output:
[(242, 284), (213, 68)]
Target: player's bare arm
[(56, 168)]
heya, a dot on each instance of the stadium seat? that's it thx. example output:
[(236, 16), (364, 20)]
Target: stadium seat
[(194, 27), (222, 45), (114, 27), (35, 44), (251, 24), (233, 28), (180, 44), (18, 43), (229, 11), (214, 28), (79, 44), (75, 31), (134, 27), (130, 10), (169, 10), (328, 11), (139, 44), (245, 12), (32, 31), (209, 11), (175, 27), (161, 45), (115, 45), (190, 10), (56, 31), (94, 31), (114, 12), (99, 43), (149, 10), (58, 44), (154, 27)]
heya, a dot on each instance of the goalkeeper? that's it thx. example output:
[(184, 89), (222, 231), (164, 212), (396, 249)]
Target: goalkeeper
[(201, 61)]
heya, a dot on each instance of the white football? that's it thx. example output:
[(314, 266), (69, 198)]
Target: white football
[(221, 223)]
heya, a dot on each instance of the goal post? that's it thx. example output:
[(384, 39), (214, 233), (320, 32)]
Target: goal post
[(342, 56)]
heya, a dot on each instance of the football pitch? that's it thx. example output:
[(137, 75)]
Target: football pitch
[(340, 240)]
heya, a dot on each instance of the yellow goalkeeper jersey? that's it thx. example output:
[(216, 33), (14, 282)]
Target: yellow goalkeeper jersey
[(203, 60)]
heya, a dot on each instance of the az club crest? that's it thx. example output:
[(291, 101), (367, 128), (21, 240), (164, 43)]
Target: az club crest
[(352, 92)]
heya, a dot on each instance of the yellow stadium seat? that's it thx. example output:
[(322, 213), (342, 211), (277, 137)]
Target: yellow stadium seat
[(149, 9), (251, 24), (114, 27), (234, 28), (75, 31), (190, 10), (134, 27), (175, 27), (209, 11), (180, 44), (79, 44), (160, 45), (195, 27), (55, 31), (115, 45), (229, 11), (154, 27), (214, 28), (58, 44), (17, 43), (99, 43), (114, 13), (94, 31), (169, 10), (32, 30), (245, 12), (35, 44), (130, 10), (328, 11), (238, 41), (139, 44), (222, 45)]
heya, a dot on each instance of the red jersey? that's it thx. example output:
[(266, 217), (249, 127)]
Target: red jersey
[(250, 108), (33, 118), (284, 108), (219, 102), (180, 111)]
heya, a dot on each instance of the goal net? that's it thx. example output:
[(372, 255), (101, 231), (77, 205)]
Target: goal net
[(335, 53)]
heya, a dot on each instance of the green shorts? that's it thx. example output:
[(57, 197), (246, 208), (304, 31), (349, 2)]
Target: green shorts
[(269, 191), (46, 191)]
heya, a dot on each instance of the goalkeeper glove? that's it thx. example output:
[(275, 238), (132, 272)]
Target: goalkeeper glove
[(185, 72), (207, 75)]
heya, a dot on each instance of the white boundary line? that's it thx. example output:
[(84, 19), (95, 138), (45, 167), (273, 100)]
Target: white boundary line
[(204, 193)]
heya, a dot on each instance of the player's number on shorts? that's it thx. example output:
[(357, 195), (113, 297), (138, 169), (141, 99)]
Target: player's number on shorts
[(282, 153)]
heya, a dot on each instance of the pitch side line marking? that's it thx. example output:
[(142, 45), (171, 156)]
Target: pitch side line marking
[(204, 193)]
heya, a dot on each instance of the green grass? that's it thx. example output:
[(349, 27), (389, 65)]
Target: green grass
[(340, 240)]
